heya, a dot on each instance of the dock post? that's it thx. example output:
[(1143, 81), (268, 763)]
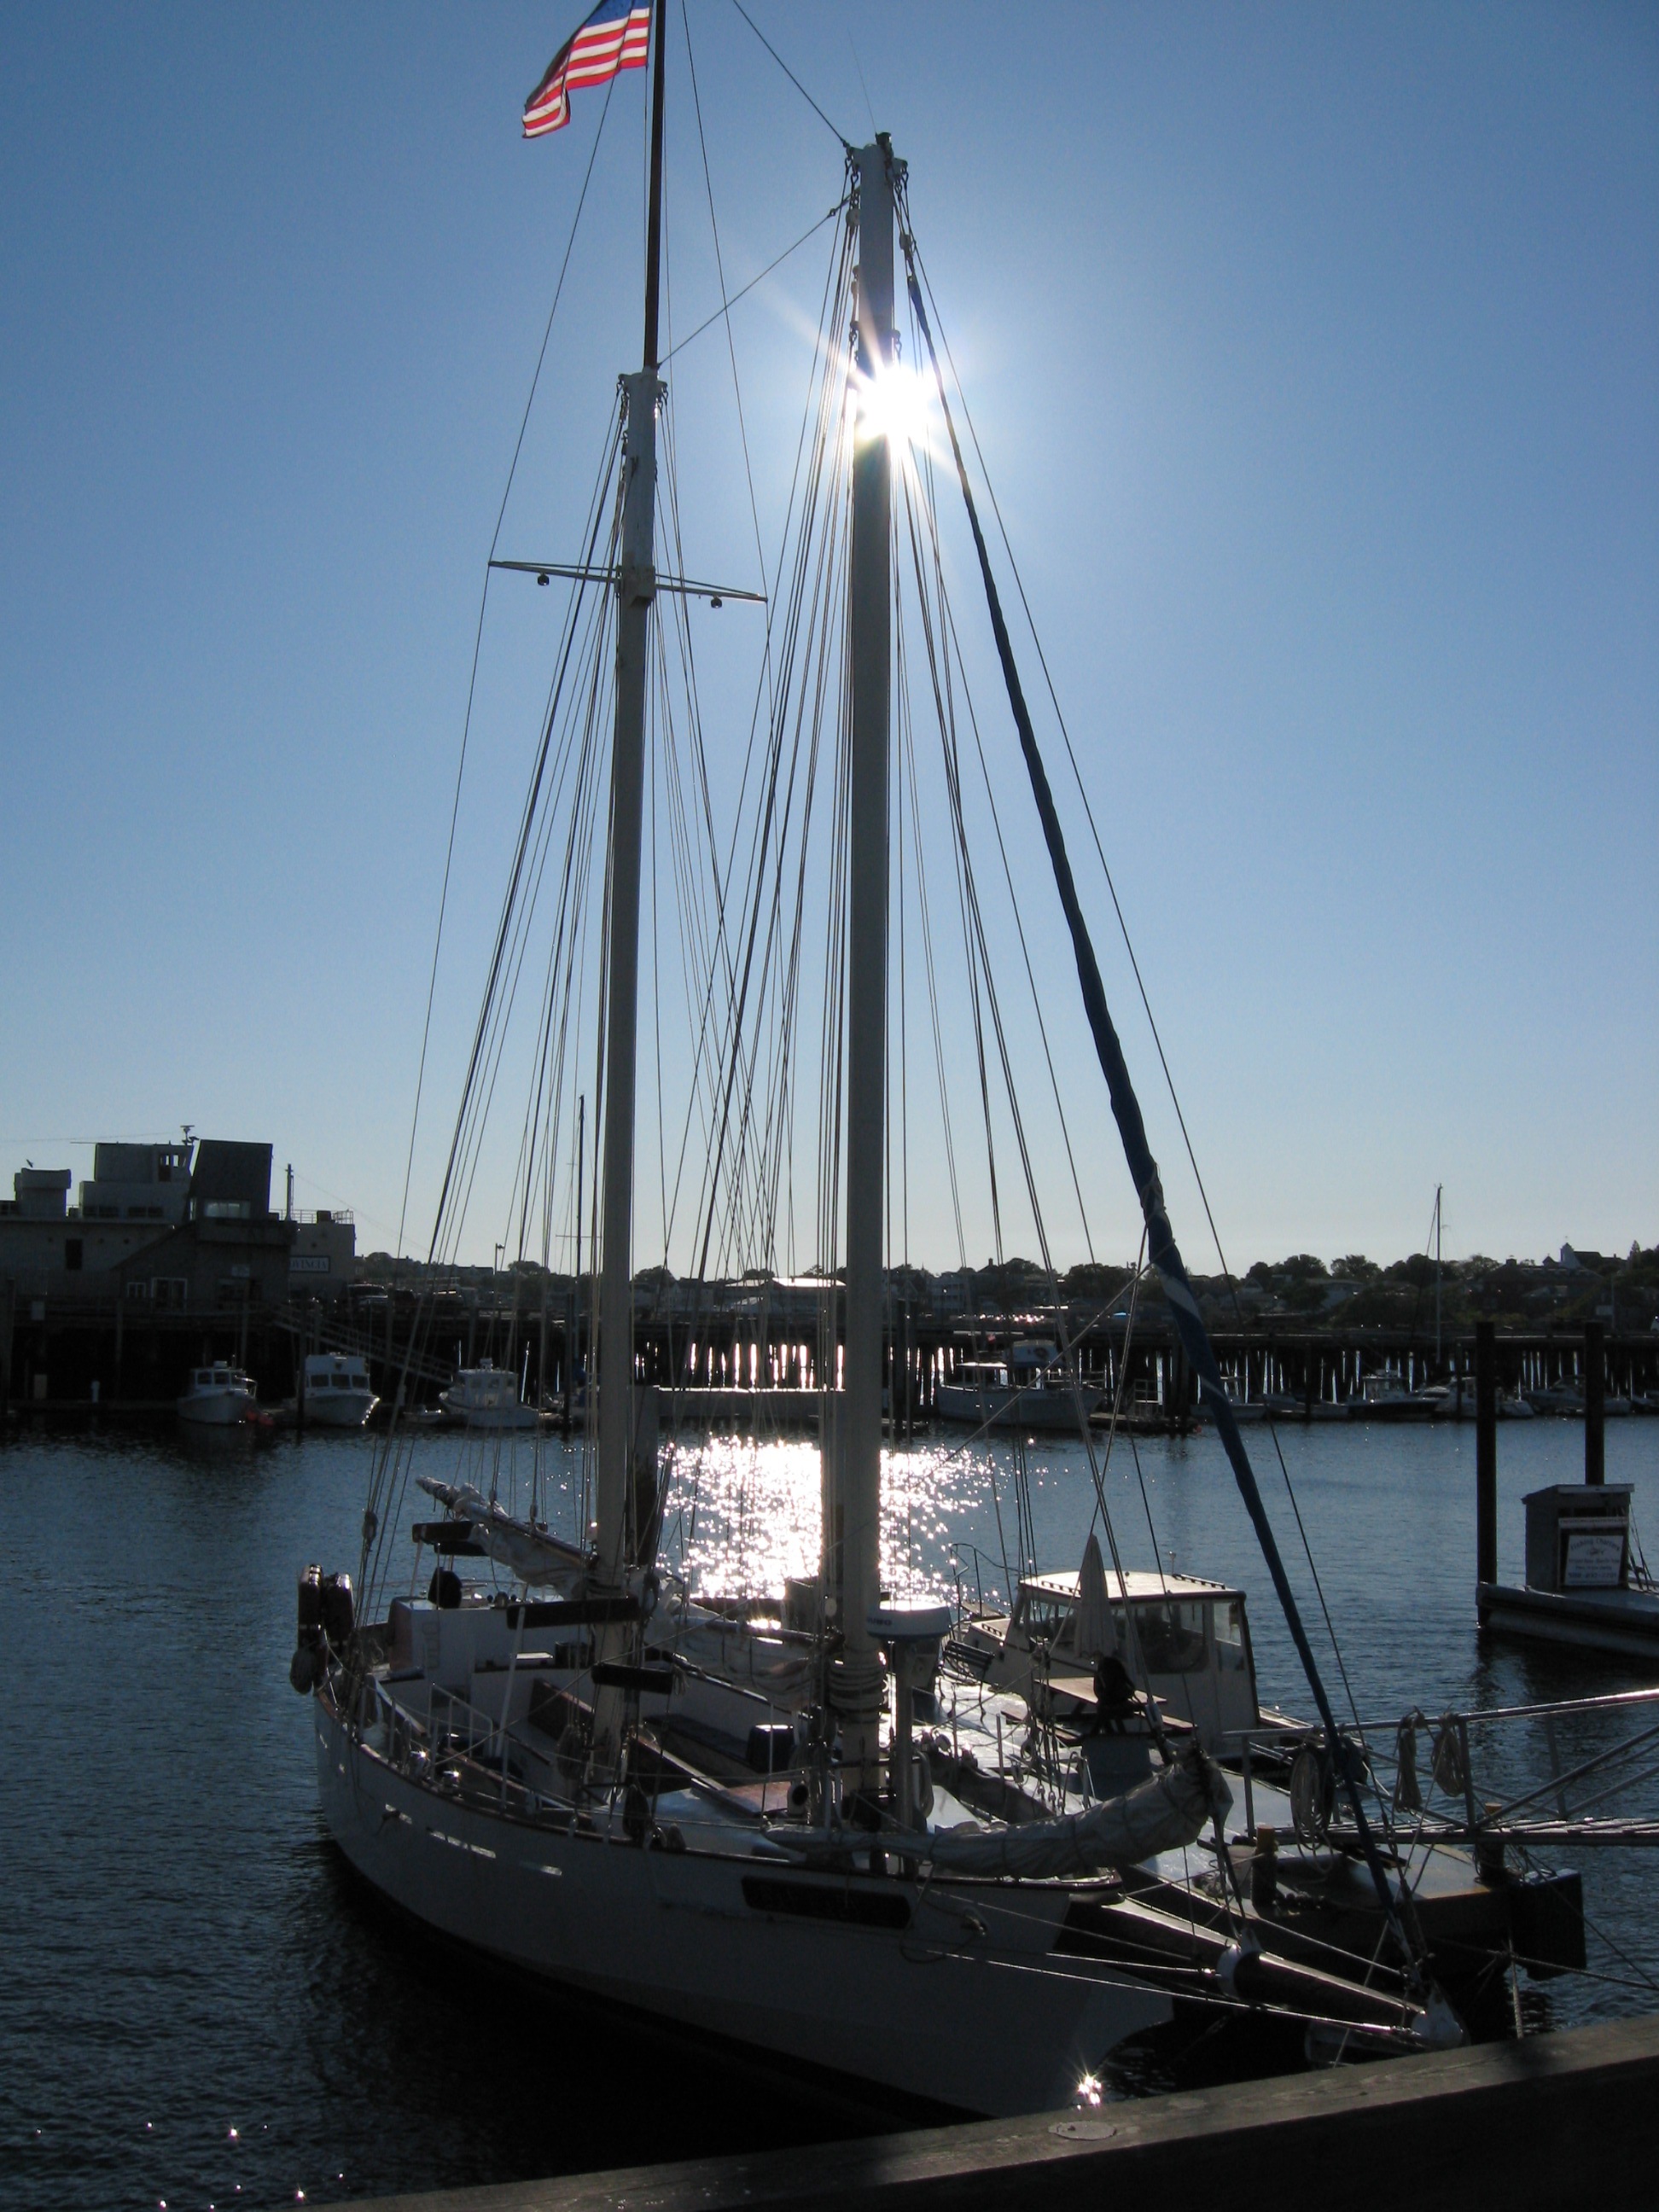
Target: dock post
[(1486, 1453), (1595, 1459)]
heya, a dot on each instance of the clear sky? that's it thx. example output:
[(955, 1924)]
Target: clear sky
[(1316, 354)]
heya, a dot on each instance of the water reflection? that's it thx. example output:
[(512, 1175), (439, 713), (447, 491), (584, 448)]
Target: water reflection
[(186, 1955)]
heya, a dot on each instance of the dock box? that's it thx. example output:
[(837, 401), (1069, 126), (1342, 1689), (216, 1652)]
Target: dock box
[(1578, 1536)]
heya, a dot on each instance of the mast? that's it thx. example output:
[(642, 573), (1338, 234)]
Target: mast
[(636, 584), (1436, 1277), (853, 1540)]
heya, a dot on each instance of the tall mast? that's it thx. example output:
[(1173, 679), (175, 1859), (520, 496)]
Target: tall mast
[(853, 1542), (1436, 1278), (636, 585)]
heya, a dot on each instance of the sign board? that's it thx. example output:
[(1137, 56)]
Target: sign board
[(1593, 1556), (307, 1263)]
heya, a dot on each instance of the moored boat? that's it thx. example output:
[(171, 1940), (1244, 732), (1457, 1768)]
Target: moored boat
[(487, 1397), (339, 1394), (219, 1397)]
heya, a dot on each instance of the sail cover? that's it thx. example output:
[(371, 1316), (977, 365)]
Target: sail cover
[(529, 1552), (1096, 1638), (1162, 1814)]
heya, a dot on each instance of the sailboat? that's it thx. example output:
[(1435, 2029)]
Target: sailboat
[(543, 1773)]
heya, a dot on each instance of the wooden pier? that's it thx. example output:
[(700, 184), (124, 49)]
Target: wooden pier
[(747, 1359), (1549, 2124)]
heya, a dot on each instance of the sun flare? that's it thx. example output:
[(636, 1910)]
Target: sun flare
[(896, 404)]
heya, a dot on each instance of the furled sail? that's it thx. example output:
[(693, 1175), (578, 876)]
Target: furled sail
[(1173, 1809), (532, 1554)]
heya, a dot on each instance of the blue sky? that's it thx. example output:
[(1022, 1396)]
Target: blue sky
[(1314, 354)]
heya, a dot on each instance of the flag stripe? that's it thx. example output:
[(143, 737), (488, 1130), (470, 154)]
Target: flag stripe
[(616, 36)]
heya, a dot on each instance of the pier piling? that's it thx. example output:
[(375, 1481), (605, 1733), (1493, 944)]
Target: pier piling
[(1596, 1381), (1486, 1452)]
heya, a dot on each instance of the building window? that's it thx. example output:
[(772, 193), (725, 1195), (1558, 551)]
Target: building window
[(72, 1251)]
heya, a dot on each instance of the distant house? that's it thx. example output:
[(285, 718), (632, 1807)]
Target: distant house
[(1578, 1262)]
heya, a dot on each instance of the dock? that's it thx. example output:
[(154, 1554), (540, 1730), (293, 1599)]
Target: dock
[(1585, 1589), (1545, 2124)]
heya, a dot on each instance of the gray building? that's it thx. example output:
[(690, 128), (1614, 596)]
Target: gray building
[(180, 1227)]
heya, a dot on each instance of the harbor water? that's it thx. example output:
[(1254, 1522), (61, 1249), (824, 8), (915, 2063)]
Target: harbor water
[(201, 2010)]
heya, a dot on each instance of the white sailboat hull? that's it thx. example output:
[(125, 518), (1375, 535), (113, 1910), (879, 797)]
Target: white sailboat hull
[(966, 2007)]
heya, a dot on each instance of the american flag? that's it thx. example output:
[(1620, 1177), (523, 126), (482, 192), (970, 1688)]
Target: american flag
[(616, 36)]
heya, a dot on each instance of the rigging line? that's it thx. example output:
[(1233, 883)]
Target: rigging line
[(913, 251), (839, 137), (1164, 1252), (477, 643), (950, 641), (726, 307), (834, 290), (1094, 830), (506, 933), (770, 822), (724, 311)]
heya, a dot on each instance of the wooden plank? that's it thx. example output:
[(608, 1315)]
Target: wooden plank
[(1552, 2122)]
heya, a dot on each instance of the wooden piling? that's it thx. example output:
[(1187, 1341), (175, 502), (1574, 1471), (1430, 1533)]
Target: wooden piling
[(1486, 1452), (1595, 1380)]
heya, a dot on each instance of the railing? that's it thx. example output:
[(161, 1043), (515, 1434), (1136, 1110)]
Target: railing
[(1456, 1778), (457, 1728)]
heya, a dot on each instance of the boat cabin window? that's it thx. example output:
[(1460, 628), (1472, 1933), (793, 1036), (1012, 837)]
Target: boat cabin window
[(1227, 1625), (1172, 1637), (1044, 1617)]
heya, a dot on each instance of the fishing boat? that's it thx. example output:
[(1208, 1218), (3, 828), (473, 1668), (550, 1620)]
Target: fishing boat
[(487, 1397), (339, 1394), (561, 1757), (219, 1397)]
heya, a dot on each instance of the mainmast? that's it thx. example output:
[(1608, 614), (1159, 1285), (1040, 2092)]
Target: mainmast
[(853, 1487), (636, 585)]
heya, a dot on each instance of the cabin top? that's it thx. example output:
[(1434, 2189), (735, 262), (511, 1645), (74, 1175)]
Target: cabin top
[(1136, 1585)]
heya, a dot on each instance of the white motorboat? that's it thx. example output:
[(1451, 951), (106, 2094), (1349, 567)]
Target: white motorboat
[(339, 1394), (219, 1397), (1384, 1396), (1455, 1402), (487, 1397), (1031, 1389)]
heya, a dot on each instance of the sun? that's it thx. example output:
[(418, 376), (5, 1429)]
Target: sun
[(896, 404)]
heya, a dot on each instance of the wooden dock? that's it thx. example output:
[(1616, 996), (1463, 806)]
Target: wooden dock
[(1551, 2124)]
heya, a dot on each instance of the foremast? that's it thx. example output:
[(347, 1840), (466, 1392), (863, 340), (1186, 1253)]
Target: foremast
[(616, 1537), (852, 1486)]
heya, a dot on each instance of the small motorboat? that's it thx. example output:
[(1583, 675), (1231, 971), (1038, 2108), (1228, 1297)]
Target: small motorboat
[(339, 1394), (218, 1398), (1384, 1396), (1557, 1398), (487, 1397)]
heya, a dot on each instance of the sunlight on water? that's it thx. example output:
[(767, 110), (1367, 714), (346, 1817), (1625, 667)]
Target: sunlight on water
[(187, 1961), (743, 1514)]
